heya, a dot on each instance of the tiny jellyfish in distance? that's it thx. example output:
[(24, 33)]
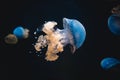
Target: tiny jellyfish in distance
[(109, 63), (21, 33), (11, 39), (56, 39), (116, 10), (114, 20), (26, 33)]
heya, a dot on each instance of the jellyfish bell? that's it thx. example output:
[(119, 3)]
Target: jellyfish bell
[(109, 63), (19, 32), (114, 20), (56, 39), (76, 31), (114, 24)]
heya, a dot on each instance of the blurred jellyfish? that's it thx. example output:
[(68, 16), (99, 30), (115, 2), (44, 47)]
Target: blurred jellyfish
[(108, 63), (114, 20), (11, 39), (20, 32), (116, 10), (56, 39)]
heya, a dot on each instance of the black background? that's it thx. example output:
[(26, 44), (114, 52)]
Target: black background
[(18, 64)]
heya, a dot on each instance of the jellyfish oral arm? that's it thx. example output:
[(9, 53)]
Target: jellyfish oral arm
[(56, 39), (55, 46), (41, 43)]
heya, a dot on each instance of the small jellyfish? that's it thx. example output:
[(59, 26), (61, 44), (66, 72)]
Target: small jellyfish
[(11, 39), (116, 10), (109, 62), (56, 39), (20, 32), (114, 20), (114, 24)]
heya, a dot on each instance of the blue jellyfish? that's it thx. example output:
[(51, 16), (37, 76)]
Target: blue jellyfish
[(114, 20), (108, 63), (19, 32), (73, 33), (114, 24)]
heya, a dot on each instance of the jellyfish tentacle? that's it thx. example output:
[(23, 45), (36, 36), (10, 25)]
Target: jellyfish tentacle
[(56, 39)]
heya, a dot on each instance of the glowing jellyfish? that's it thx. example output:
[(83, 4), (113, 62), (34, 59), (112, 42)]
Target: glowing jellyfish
[(56, 39), (114, 21), (20, 32), (108, 63), (11, 39)]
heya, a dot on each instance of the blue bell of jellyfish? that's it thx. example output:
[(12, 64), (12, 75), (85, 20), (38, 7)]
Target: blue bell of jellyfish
[(114, 24), (108, 63), (19, 32), (76, 32)]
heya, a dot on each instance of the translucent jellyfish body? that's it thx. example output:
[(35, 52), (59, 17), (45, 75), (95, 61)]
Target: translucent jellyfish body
[(108, 63), (73, 33), (114, 20)]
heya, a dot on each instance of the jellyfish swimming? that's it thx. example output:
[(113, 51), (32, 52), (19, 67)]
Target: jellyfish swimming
[(56, 39), (116, 10), (20, 32), (114, 20), (109, 62), (11, 39)]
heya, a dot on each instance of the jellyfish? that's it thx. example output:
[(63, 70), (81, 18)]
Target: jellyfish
[(109, 62), (11, 39), (20, 32), (114, 20), (116, 10), (56, 39)]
